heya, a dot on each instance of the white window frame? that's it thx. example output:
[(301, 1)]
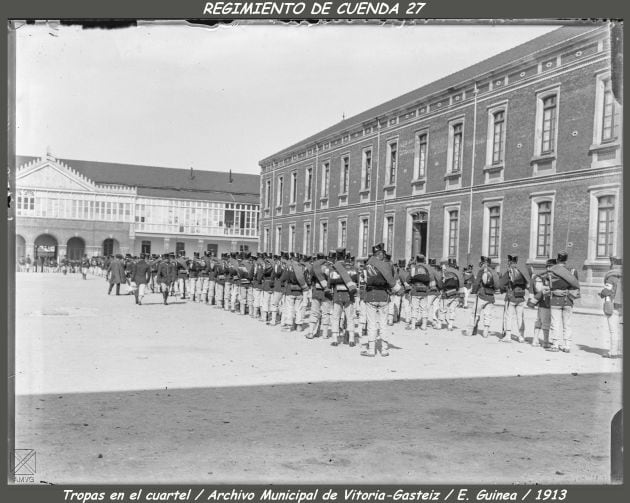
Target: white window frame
[(342, 165), (325, 185), (306, 239), (452, 123), (266, 243), (446, 229), (363, 240), (388, 162), (293, 189), (279, 191), (364, 171), (595, 193), (599, 113), (492, 110), (340, 242), (389, 246), (323, 246), (535, 199), (540, 98), (308, 191), (485, 238), (416, 155), (292, 235), (278, 240)]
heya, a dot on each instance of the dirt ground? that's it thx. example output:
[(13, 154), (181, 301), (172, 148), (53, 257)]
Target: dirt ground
[(108, 392)]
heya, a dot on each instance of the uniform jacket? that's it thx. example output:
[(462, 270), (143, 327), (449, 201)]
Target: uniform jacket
[(116, 272), (140, 272)]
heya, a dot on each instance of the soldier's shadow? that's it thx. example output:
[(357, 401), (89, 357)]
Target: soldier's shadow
[(591, 349), (389, 345)]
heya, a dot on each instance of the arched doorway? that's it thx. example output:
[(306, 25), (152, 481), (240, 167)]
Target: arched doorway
[(20, 247), (46, 246), (110, 247), (419, 233), (75, 248)]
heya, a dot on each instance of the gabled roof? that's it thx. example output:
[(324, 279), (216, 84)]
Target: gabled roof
[(170, 183), (538, 44)]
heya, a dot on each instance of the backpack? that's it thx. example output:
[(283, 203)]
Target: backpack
[(420, 274), (374, 277)]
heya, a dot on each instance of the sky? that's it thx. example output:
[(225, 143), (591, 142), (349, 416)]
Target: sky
[(222, 98)]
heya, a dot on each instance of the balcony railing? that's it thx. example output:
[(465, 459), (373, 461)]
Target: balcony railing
[(197, 230)]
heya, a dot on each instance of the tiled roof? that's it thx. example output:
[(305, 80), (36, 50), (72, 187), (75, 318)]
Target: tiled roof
[(468, 74), (168, 183)]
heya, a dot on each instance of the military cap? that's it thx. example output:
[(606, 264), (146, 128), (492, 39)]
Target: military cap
[(248, 254), (432, 261), (512, 258), (485, 260), (320, 255), (420, 259), (616, 260), (563, 256), (332, 254), (253, 256), (340, 253), (284, 255), (444, 261), (196, 254), (453, 263), (378, 248), (551, 261), (402, 262)]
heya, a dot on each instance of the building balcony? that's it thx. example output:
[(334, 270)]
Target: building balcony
[(194, 230)]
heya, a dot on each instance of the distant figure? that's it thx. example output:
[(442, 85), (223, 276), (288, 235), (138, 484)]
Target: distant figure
[(28, 263), (116, 272)]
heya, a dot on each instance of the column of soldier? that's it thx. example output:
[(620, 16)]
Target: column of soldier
[(358, 301)]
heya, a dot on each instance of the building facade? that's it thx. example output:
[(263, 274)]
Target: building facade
[(519, 154), (71, 208)]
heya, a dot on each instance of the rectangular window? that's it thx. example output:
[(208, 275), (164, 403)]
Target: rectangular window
[(453, 232), (293, 187), (420, 165), (266, 239), (307, 238), (498, 136), (548, 132), (345, 173), (494, 226), (325, 179), (543, 230), (366, 169), (292, 238), (389, 236), (146, 247), (392, 162), (343, 233), (308, 189), (267, 194), (279, 190), (278, 243), (180, 248), (605, 226), (609, 125), (363, 237), (323, 237), (457, 131)]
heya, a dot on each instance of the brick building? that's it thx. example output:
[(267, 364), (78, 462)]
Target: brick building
[(520, 154), (71, 207)]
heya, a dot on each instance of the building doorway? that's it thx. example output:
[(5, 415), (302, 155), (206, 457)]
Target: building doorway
[(20, 247), (213, 248), (110, 247), (45, 247), (419, 233), (75, 248)]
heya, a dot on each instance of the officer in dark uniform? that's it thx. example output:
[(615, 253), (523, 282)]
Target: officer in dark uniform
[(514, 282), (167, 275), (140, 275), (565, 288)]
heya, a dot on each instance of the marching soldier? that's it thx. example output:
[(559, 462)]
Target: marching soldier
[(116, 274), (433, 294), (484, 286), (278, 288), (360, 304), (612, 294), (296, 283), (166, 275), (451, 291), (194, 269), (342, 279), (540, 300), (85, 266), (379, 282), (201, 292), (211, 269), (514, 282), (182, 274), (245, 277), (319, 317), (255, 290), (220, 270), (395, 302), (420, 278), (140, 275), (469, 276), (234, 278), (565, 288), (267, 287)]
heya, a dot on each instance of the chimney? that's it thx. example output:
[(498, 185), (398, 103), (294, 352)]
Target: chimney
[(231, 180), (192, 176)]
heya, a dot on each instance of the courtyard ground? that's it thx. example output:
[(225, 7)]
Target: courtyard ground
[(107, 391)]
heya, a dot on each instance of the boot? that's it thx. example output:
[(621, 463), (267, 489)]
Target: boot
[(263, 316), (135, 294), (506, 338), (111, 286), (411, 325), (423, 325), (274, 317), (450, 325), (336, 340), (390, 320), (165, 295), (117, 288), (370, 350), (384, 348)]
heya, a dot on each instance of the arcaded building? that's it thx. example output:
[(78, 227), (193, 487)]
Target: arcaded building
[(518, 154), (70, 208)]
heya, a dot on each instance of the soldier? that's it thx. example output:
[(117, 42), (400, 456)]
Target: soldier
[(267, 287), (395, 302), (201, 292), (182, 274), (211, 269), (540, 300), (451, 291), (514, 282), (361, 315), (484, 286), (220, 269), (279, 264), (140, 275), (612, 294), (565, 288), (420, 278), (245, 277), (295, 283), (255, 291), (320, 307), (405, 303), (194, 268), (469, 276), (85, 266), (342, 279), (379, 281), (166, 275), (116, 274), (433, 295), (231, 279)]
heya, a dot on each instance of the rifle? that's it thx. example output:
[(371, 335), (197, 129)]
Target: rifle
[(505, 306), (474, 330)]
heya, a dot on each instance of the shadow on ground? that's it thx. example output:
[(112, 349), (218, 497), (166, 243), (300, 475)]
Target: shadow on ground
[(534, 429)]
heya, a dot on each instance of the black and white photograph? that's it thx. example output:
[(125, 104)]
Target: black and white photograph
[(346, 252)]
